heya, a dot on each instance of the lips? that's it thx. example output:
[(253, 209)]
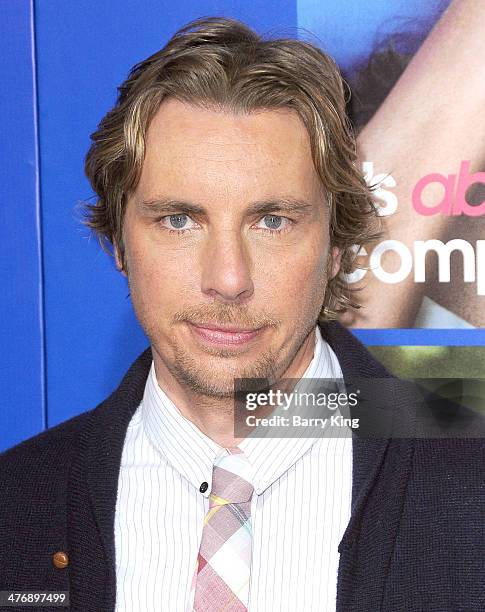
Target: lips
[(225, 328), (224, 334)]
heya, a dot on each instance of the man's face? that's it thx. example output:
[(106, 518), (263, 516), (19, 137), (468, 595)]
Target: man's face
[(228, 229)]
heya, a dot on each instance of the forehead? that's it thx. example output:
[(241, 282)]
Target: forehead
[(192, 148)]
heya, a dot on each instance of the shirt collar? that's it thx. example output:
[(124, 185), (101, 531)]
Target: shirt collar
[(181, 443), (192, 453)]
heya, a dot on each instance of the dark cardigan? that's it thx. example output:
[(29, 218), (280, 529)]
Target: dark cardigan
[(415, 540)]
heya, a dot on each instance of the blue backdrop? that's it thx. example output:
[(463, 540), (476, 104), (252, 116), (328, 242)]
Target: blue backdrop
[(68, 330)]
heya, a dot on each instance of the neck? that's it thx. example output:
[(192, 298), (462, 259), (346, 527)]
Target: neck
[(215, 416)]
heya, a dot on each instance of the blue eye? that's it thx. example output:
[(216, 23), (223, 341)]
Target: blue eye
[(272, 221), (178, 221)]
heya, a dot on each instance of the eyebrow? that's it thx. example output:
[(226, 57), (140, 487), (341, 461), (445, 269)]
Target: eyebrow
[(166, 206)]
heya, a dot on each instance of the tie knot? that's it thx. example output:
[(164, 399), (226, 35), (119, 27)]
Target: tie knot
[(231, 478)]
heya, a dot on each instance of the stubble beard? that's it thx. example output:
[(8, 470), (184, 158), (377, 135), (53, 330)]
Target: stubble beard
[(205, 379), (208, 382), (202, 379)]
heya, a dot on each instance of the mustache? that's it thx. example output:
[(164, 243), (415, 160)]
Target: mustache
[(235, 315)]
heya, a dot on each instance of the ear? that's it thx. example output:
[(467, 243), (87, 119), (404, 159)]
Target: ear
[(335, 261), (119, 264)]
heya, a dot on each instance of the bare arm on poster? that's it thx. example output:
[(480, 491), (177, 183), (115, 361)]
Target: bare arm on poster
[(429, 123)]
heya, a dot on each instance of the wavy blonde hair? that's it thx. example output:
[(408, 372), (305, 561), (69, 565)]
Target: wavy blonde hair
[(221, 63)]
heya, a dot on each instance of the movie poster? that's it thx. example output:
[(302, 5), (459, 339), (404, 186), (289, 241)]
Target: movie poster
[(416, 100)]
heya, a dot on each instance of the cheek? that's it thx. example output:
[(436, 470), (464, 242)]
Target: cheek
[(159, 277), (294, 279)]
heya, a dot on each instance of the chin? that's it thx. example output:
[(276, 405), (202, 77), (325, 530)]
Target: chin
[(208, 386), (215, 375)]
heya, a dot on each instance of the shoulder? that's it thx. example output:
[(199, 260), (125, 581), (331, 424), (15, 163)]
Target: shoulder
[(446, 486), (42, 459), (451, 463), (49, 453), (43, 478)]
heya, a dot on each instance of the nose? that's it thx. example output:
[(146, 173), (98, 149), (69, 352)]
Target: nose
[(226, 267)]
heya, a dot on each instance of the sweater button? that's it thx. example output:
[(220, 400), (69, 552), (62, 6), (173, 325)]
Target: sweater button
[(60, 559), (203, 487)]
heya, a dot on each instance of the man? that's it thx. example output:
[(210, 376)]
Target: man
[(227, 185)]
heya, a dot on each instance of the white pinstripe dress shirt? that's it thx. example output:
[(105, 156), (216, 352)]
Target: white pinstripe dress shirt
[(299, 511)]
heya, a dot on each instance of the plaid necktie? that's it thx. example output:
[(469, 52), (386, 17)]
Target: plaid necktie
[(221, 579)]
